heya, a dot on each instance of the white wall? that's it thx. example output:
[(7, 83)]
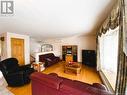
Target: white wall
[(83, 42), (7, 51), (35, 46)]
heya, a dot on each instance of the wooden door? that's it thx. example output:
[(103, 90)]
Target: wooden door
[(17, 49)]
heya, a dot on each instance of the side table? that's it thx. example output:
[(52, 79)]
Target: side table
[(38, 66)]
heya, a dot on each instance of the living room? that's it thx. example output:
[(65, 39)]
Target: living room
[(79, 49)]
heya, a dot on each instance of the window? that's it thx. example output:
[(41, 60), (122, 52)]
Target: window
[(109, 55)]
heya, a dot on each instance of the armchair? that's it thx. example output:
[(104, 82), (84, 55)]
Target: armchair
[(14, 74)]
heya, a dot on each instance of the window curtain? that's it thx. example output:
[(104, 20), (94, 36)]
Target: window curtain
[(98, 53), (122, 66), (115, 19), (124, 27)]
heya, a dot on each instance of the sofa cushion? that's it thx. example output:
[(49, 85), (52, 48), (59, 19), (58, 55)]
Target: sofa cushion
[(68, 86), (48, 80), (80, 88), (41, 58), (48, 59), (96, 88)]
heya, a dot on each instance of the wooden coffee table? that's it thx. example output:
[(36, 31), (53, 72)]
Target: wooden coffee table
[(74, 68)]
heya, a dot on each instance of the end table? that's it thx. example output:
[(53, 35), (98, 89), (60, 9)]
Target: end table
[(38, 66)]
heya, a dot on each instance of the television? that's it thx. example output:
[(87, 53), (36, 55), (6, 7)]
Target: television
[(69, 50)]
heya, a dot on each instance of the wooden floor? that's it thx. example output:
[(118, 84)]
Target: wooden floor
[(88, 75)]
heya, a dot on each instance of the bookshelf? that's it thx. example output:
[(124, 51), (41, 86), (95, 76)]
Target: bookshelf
[(69, 53)]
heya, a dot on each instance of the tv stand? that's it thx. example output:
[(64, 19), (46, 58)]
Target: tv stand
[(69, 53)]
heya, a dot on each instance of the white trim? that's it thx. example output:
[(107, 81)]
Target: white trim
[(106, 82)]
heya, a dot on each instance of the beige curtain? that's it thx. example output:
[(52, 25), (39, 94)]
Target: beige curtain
[(122, 66), (125, 28), (98, 54)]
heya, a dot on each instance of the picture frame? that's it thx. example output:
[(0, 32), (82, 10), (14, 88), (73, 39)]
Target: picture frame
[(46, 47)]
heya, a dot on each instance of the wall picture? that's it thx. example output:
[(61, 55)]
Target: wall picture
[(46, 47)]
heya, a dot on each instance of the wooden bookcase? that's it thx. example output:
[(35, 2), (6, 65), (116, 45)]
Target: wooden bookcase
[(69, 53)]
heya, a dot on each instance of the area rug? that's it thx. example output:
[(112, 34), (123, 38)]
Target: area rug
[(5, 91)]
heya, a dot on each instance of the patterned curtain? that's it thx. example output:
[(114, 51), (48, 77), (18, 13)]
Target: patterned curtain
[(115, 19), (112, 20), (122, 66), (98, 54), (125, 28)]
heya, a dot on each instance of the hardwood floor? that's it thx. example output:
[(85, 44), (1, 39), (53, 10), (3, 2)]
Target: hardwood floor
[(88, 75)]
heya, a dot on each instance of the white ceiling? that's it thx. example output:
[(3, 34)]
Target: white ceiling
[(55, 18)]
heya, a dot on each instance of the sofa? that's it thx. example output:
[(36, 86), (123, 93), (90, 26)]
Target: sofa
[(14, 74), (49, 59), (52, 84)]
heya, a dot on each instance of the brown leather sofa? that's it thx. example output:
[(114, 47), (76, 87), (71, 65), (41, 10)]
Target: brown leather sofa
[(49, 59), (52, 84)]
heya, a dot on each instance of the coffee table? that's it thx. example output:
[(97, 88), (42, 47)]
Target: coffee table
[(74, 68)]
